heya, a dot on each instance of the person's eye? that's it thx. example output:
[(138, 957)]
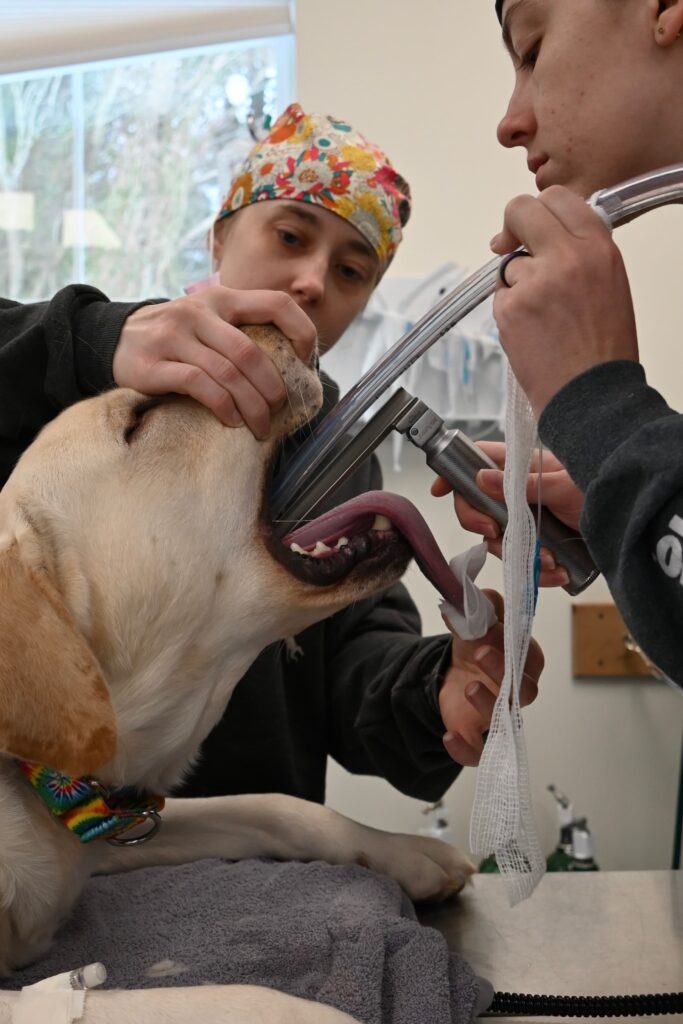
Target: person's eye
[(350, 273), (528, 60), (288, 238)]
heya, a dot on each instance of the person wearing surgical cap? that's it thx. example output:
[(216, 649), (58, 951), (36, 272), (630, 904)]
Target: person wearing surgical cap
[(310, 223)]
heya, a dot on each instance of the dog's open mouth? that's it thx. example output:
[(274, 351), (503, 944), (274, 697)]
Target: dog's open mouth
[(373, 530)]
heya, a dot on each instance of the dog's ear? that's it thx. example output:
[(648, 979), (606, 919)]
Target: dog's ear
[(54, 704)]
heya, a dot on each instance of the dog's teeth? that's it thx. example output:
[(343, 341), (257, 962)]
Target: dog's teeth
[(381, 523), (321, 548)]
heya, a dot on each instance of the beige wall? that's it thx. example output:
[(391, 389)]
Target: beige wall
[(428, 81)]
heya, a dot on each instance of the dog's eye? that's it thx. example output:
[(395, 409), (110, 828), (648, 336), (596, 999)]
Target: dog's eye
[(138, 415)]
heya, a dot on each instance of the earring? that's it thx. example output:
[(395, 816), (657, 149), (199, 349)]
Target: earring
[(661, 30)]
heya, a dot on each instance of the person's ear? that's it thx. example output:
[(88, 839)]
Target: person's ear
[(668, 22), (216, 252), (217, 242)]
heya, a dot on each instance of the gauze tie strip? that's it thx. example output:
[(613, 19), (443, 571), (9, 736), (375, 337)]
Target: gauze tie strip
[(502, 820)]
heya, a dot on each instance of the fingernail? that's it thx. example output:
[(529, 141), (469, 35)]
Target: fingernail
[(447, 737), (548, 562), (472, 689), (481, 653), (236, 420), (494, 241), (487, 530), (563, 577)]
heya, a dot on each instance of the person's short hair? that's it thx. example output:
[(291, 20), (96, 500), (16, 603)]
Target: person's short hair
[(319, 159)]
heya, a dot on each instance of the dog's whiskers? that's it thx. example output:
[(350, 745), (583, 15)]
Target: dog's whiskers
[(307, 424)]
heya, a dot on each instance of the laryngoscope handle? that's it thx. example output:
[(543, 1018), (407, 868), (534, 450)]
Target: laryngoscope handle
[(454, 457)]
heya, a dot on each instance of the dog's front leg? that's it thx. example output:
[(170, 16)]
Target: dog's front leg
[(286, 828), (210, 1004)]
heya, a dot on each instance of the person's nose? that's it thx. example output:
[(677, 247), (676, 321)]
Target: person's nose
[(518, 124), (307, 287)]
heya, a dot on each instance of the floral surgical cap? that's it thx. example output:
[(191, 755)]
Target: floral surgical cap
[(319, 159)]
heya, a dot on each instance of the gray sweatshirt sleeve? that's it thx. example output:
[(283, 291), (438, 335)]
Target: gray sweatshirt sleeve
[(623, 446)]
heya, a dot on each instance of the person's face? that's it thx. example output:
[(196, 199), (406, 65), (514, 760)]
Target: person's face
[(597, 89), (314, 255)]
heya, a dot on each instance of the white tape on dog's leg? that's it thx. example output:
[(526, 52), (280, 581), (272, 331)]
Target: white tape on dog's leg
[(43, 1007), (59, 999)]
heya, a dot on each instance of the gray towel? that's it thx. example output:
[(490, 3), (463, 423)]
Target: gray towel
[(341, 935)]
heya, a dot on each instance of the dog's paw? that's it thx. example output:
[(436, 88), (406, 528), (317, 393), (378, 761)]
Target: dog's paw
[(428, 869)]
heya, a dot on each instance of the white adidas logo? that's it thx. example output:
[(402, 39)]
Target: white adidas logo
[(669, 550)]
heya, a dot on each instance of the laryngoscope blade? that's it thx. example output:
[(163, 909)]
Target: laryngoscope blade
[(353, 449)]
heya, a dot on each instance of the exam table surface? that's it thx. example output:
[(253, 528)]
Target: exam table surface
[(593, 933)]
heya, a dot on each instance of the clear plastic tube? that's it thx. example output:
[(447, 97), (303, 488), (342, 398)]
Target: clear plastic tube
[(616, 205)]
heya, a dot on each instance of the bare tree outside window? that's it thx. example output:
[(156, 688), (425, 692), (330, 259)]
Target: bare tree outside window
[(111, 174)]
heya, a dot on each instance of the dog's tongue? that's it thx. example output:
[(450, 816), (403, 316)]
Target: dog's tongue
[(357, 515)]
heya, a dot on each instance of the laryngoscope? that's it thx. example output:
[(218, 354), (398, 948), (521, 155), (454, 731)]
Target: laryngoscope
[(338, 445)]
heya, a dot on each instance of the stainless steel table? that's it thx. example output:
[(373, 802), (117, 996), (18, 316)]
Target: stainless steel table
[(594, 933)]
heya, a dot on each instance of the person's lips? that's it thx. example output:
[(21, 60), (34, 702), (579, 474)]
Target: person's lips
[(535, 165)]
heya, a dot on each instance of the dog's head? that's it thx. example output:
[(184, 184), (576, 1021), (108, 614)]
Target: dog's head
[(132, 546)]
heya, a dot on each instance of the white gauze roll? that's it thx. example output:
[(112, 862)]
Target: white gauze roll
[(502, 820)]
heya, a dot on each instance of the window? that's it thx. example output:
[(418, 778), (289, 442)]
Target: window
[(111, 172)]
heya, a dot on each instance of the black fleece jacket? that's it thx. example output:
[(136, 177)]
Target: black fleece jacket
[(623, 446), (364, 689)]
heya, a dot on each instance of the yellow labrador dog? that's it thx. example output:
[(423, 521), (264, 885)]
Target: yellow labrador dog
[(138, 581)]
